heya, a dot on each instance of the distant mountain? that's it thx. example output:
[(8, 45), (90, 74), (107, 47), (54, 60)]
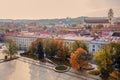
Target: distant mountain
[(77, 20)]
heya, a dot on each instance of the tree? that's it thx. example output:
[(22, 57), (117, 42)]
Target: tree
[(110, 15), (54, 47), (33, 46), (44, 27), (49, 47), (115, 50), (11, 48), (78, 59), (64, 30), (104, 62), (104, 58), (78, 44), (99, 26), (40, 51), (88, 27), (62, 50)]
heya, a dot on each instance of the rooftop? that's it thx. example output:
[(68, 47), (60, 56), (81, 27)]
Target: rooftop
[(100, 20)]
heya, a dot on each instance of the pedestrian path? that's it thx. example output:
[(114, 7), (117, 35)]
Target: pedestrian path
[(1, 56), (49, 66)]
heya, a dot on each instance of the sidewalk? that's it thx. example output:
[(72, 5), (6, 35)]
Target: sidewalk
[(1, 56), (29, 60), (71, 72), (87, 76)]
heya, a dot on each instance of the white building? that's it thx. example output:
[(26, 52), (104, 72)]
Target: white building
[(24, 41), (93, 45)]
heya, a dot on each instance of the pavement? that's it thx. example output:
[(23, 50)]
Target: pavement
[(29, 69)]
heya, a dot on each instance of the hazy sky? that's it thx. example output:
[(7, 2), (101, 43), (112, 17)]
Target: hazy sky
[(38, 9)]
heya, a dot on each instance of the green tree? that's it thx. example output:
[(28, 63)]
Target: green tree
[(99, 26), (40, 51), (11, 48), (78, 44), (104, 58)]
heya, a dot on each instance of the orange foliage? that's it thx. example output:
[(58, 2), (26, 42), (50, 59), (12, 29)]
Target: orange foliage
[(61, 50), (73, 62), (78, 58)]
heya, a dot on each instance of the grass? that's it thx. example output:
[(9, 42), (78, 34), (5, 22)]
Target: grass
[(60, 62), (32, 56), (61, 67)]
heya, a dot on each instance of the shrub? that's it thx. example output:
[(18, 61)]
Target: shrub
[(95, 72), (115, 75)]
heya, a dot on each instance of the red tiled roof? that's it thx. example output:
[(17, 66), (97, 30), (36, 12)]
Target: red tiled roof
[(115, 26), (96, 20)]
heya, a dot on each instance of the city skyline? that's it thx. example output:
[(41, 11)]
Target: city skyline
[(48, 9)]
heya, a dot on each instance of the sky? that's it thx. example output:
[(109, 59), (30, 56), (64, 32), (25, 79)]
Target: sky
[(46, 9)]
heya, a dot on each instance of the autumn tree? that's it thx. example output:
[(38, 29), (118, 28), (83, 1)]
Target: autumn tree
[(62, 50), (64, 30), (54, 47), (78, 44), (11, 48), (79, 59), (104, 58), (33, 46), (49, 47), (99, 26)]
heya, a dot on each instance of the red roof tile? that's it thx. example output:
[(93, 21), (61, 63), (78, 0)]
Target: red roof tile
[(96, 20)]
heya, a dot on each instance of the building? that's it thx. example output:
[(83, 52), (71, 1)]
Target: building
[(24, 40), (93, 22)]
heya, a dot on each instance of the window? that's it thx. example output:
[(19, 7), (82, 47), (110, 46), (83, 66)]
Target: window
[(93, 46), (93, 50), (67, 42)]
